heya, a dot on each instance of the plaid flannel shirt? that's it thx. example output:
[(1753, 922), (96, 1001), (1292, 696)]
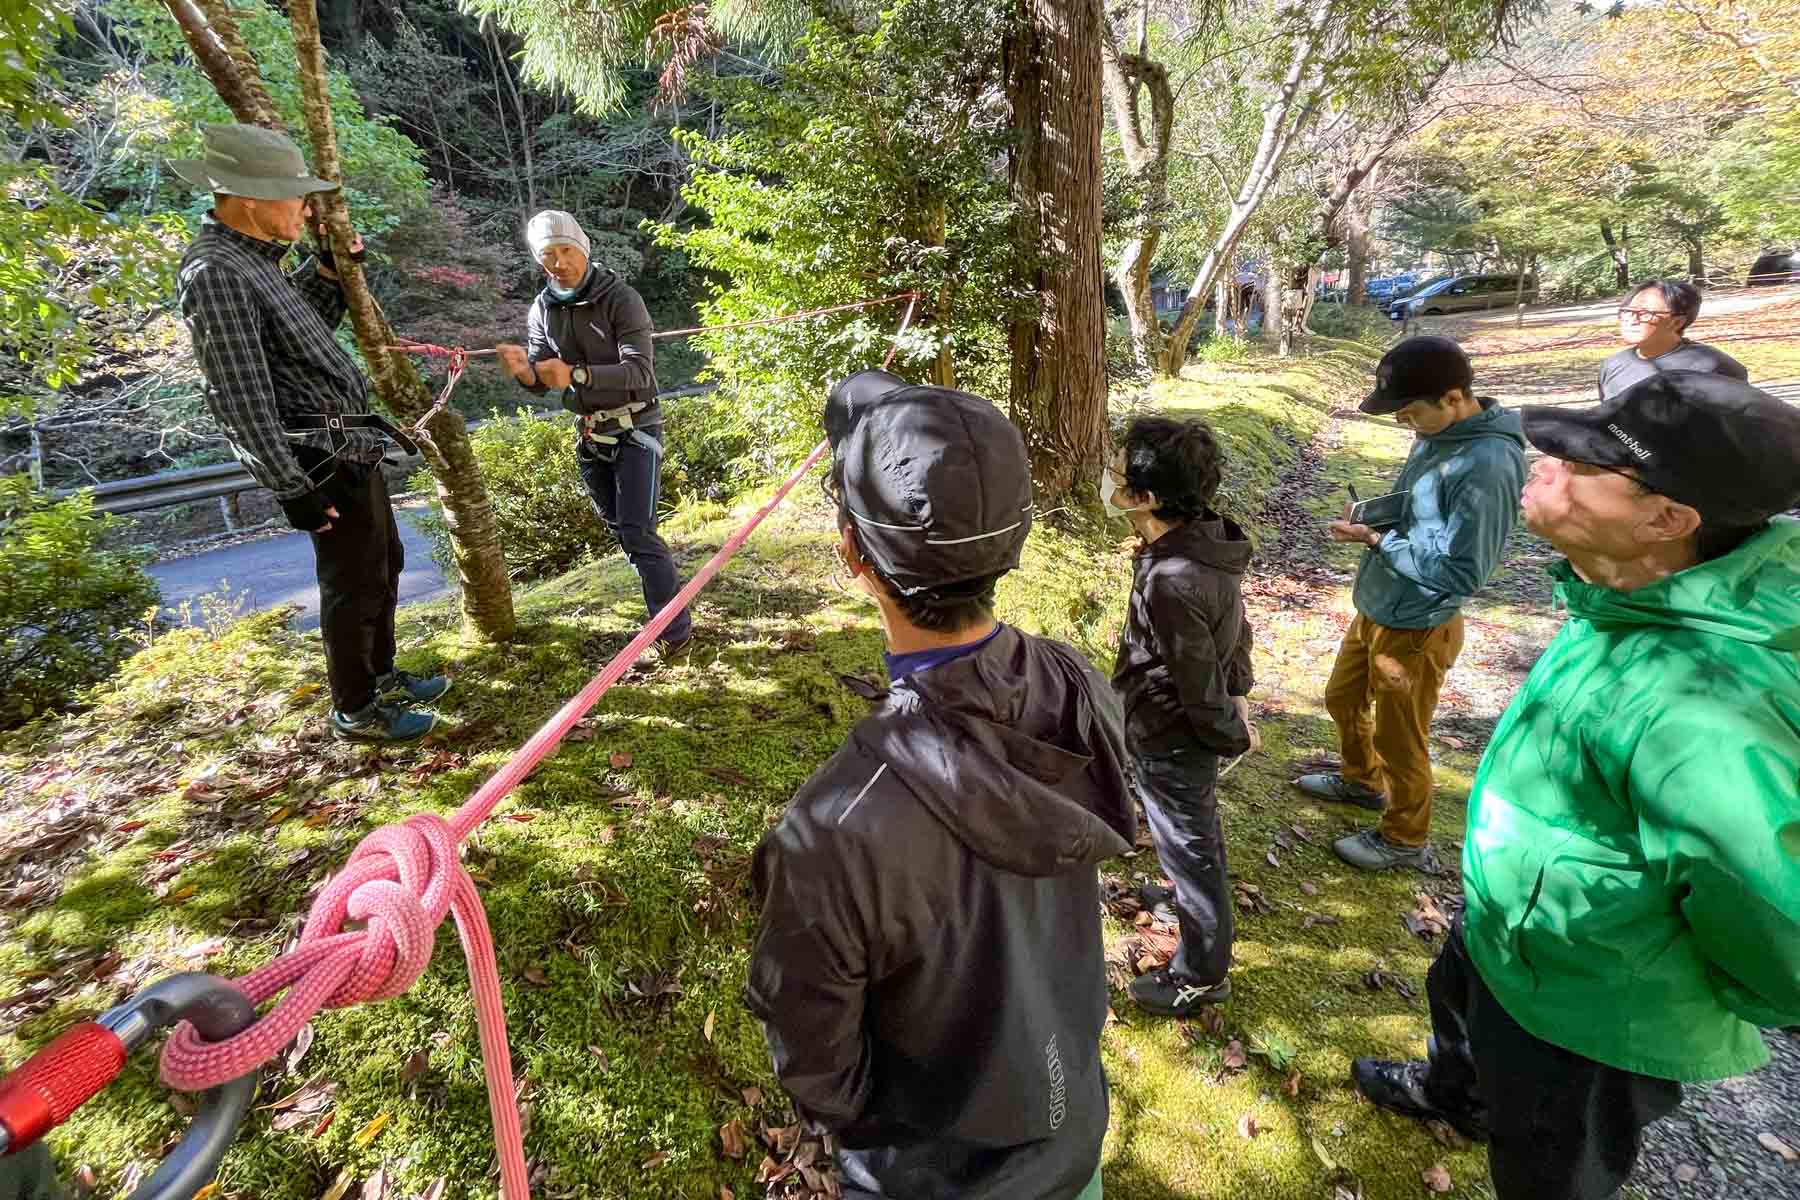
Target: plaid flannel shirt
[(265, 345)]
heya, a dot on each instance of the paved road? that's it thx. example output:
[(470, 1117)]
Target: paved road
[(1605, 312), (279, 570)]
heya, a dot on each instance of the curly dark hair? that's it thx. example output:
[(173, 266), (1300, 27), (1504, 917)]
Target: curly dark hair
[(1682, 297), (1179, 461)]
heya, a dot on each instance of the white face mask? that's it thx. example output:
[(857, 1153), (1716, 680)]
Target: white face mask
[(1109, 489)]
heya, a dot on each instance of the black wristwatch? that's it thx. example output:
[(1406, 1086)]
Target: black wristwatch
[(580, 376)]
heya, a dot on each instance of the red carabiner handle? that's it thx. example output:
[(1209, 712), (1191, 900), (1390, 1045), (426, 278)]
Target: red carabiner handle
[(51, 1084)]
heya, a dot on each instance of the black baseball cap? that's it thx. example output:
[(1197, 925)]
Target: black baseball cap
[(1727, 450), (935, 482), (1420, 368)]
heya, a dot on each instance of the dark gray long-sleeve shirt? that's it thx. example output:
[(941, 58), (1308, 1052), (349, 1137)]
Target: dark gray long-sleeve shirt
[(1626, 368), (264, 342)]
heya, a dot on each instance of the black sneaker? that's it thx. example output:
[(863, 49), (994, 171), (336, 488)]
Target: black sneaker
[(1399, 1087), (1159, 902), (379, 722), (404, 686), (1167, 995)]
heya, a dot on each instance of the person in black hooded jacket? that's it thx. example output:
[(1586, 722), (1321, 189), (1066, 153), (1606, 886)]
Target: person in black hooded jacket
[(929, 967), (1183, 673)]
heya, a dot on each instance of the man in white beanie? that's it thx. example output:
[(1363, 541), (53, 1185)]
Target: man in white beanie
[(588, 337)]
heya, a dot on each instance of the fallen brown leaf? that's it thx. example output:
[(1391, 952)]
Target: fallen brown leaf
[(600, 1055), (733, 1140), (1447, 1136), (302, 1043), (1235, 1059), (655, 1160), (324, 1124), (521, 817), (1212, 1019), (1437, 1179), (1309, 889), (1292, 1084), (536, 977), (375, 1187), (753, 1096), (339, 1186), (706, 1030), (85, 1179), (415, 1066), (1247, 1126), (1775, 1145), (620, 760), (726, 1193)]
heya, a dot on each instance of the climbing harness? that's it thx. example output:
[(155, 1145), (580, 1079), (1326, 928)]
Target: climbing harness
[(398, 884)]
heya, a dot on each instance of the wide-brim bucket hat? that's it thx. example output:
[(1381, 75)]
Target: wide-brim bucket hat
[(248, 160)]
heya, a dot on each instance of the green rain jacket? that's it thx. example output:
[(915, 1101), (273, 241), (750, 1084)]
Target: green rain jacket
[(1633, 857)]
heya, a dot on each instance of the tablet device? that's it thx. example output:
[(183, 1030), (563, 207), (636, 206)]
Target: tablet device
[(1379, 512)]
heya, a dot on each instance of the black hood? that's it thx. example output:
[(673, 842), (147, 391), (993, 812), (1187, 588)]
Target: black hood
[(1006, 750), (1212, 541)]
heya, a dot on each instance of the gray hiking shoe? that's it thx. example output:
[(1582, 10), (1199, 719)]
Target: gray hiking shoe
[(1372, 852), (381, 722), (1331, 785)]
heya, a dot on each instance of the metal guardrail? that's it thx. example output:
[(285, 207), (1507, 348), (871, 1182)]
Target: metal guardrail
[(226, 480)]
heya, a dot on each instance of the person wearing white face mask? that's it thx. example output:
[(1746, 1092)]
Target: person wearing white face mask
[(1183, 675)]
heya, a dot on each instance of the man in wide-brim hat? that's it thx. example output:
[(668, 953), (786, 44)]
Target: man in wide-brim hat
[(296, 410)]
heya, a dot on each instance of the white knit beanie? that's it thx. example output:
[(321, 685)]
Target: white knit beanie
[(554, 227)]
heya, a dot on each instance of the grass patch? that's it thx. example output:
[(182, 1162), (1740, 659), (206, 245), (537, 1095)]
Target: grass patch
[(192, 811)]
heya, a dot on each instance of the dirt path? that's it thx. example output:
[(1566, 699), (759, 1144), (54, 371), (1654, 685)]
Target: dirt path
[(1298, 602)]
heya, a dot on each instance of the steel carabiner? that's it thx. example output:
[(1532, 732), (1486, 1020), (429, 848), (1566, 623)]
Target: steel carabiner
[(47, 1088)]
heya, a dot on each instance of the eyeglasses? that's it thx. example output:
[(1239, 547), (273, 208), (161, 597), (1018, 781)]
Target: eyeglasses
[(1643, 316)]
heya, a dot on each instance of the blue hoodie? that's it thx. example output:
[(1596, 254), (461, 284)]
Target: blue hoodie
[(1462, 490)]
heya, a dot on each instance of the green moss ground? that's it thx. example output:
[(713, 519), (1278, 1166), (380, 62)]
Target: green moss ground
[(630, 880)]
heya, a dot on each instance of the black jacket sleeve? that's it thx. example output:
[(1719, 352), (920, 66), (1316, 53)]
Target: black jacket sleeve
[(1197, 647), (537, 343), (1239, 676), (631, 330), (809, 971)]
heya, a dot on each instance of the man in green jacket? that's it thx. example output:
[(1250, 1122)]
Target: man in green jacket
[(1461, 484), (1632, 863)]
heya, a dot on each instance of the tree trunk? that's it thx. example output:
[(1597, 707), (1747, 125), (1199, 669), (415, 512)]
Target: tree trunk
[(1290, 108), (211, 37), (1621, 255), (1275, 308), (1356, 290), (524, 125), (474, 537), (1519, 293), (1058, 392), (1224, 296), (1696, 262), (1147, 157)]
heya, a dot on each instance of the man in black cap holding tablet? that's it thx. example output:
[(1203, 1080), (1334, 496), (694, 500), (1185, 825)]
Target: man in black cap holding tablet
[(929, 967), (1632, 864)]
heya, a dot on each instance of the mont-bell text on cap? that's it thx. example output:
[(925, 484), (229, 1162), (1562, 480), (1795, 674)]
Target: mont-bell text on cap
[(1637, 448)]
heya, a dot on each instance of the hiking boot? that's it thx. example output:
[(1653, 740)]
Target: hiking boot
[(381, 722), (1372, 852), (1399, 1087), (660, 654), (1167, 995), (1331, 785), (404, 686)]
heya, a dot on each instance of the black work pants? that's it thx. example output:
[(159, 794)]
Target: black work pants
[(359, 560), (624, 482), (1562, 1127), (1179, 788)]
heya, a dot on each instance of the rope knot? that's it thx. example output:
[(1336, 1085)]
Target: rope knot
[(398, 883)]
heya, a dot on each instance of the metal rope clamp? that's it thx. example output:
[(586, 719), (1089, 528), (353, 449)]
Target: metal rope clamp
[(46, 1089)]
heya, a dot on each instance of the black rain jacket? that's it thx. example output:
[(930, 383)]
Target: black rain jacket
[(1185, 651), (929, 968)]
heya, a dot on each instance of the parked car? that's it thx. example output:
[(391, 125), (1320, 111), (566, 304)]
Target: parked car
[(1398, 299), (1465, 293), (1775, 268)]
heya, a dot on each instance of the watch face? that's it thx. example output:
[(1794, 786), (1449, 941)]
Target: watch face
[(579, 375)]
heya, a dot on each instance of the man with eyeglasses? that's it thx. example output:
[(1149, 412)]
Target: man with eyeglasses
[(1652, 322), (1632, 863)]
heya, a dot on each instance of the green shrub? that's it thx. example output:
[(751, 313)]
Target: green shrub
[(67, 606), (1357, 323)]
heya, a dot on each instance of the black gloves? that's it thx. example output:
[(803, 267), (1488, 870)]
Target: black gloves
[(306, 512), (571, 400)]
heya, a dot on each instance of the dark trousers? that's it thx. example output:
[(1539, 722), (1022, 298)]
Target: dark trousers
[(624, 482), (1562, 1127), (359, 560), (1179, 788)]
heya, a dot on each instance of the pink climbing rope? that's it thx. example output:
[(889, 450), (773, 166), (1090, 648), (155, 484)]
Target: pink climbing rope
[(402, 880)]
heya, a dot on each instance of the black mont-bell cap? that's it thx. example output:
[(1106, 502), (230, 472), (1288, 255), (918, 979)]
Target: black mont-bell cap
[(1420, 368), (935, 481), (1727, 450)]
